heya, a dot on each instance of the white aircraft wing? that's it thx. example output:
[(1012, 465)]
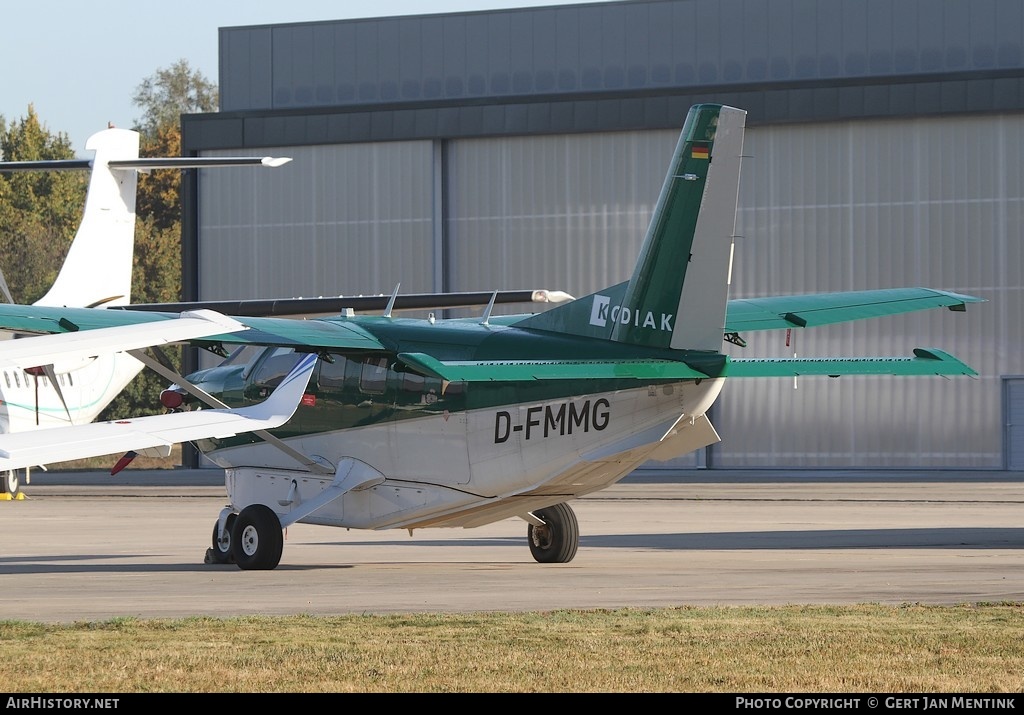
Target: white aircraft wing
[(60, 444), (46, 349)]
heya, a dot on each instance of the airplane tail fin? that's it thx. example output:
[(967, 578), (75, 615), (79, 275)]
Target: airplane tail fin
[(679, 290), (98, 266), (97, 270)]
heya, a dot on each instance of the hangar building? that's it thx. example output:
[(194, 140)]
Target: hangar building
[(525, 148)]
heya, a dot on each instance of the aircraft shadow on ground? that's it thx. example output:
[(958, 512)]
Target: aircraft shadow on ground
[(879, 539), (85, 563), (937, 538)]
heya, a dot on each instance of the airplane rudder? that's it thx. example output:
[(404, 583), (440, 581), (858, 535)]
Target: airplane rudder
[(686, 251), (676, 295), (704, 295)]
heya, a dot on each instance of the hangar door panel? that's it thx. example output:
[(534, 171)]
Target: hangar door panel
[(1013, 396), (352, 219)]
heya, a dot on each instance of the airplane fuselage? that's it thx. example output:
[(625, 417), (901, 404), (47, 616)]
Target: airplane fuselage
[(452, 451), (30, 401)]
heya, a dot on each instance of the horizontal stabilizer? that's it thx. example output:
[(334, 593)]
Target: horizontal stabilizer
[(145, 164), (513, 370), (811, 310), (60, 444), (45, 165), (196, 162), (925, 362)]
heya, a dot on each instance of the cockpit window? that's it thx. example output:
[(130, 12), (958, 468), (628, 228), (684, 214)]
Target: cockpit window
[(243, 355)]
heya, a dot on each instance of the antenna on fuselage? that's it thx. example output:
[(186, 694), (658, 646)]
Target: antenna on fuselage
[(490, 307), (391, 303)]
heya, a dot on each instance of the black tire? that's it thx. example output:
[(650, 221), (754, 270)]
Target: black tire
[(555, 542), (220, 552), (257, 538), (11, 483)]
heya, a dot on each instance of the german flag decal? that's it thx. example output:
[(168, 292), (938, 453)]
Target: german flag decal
[(699, 152)]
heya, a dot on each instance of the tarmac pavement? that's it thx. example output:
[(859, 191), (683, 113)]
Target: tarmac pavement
[(88, 546)]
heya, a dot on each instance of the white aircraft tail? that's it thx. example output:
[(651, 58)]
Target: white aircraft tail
[(98, 267), (97, 271)]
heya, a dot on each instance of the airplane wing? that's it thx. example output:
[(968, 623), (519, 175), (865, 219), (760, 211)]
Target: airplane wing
[(60, 444), (69, 342), (517, 370), (115, 329), (334, 305), (814, 309), (926, 361)]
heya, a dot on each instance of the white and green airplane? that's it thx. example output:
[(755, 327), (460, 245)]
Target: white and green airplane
[(383, 422)]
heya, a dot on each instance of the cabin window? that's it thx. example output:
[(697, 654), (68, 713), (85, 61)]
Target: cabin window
[(373, 377), (411, 382), (17, 379), (7, 379), (332, 374)]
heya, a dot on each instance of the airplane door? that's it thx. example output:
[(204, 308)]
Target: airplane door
[(428, 429)]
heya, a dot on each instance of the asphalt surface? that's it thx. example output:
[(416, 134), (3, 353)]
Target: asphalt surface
[(88, 546)]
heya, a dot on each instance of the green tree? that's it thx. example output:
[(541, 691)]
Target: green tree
[(156, 275), (156, 278), (39, 210), (158, 196), (171, 92)]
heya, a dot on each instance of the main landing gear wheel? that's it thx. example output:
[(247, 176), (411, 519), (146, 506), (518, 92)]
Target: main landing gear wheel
[(220, 551), (557, 540), (11, 483), (257, 538)]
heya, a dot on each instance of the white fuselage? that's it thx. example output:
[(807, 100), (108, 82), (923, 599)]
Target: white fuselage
[(478, 466), (29, 401)]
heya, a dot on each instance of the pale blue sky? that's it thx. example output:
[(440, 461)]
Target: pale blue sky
[(78, 63)]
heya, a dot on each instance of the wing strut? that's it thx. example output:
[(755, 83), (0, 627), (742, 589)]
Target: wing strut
[(209, 399)]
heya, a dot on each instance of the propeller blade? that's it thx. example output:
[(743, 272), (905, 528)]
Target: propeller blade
[(3, 287), (35, 372), (49, 371), (162, 358), (123, 462)]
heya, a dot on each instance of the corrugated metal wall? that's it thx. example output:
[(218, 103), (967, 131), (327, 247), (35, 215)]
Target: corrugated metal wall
[(840, 206), (565, 212), (877, 204), (341, 219), (799, 56)]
